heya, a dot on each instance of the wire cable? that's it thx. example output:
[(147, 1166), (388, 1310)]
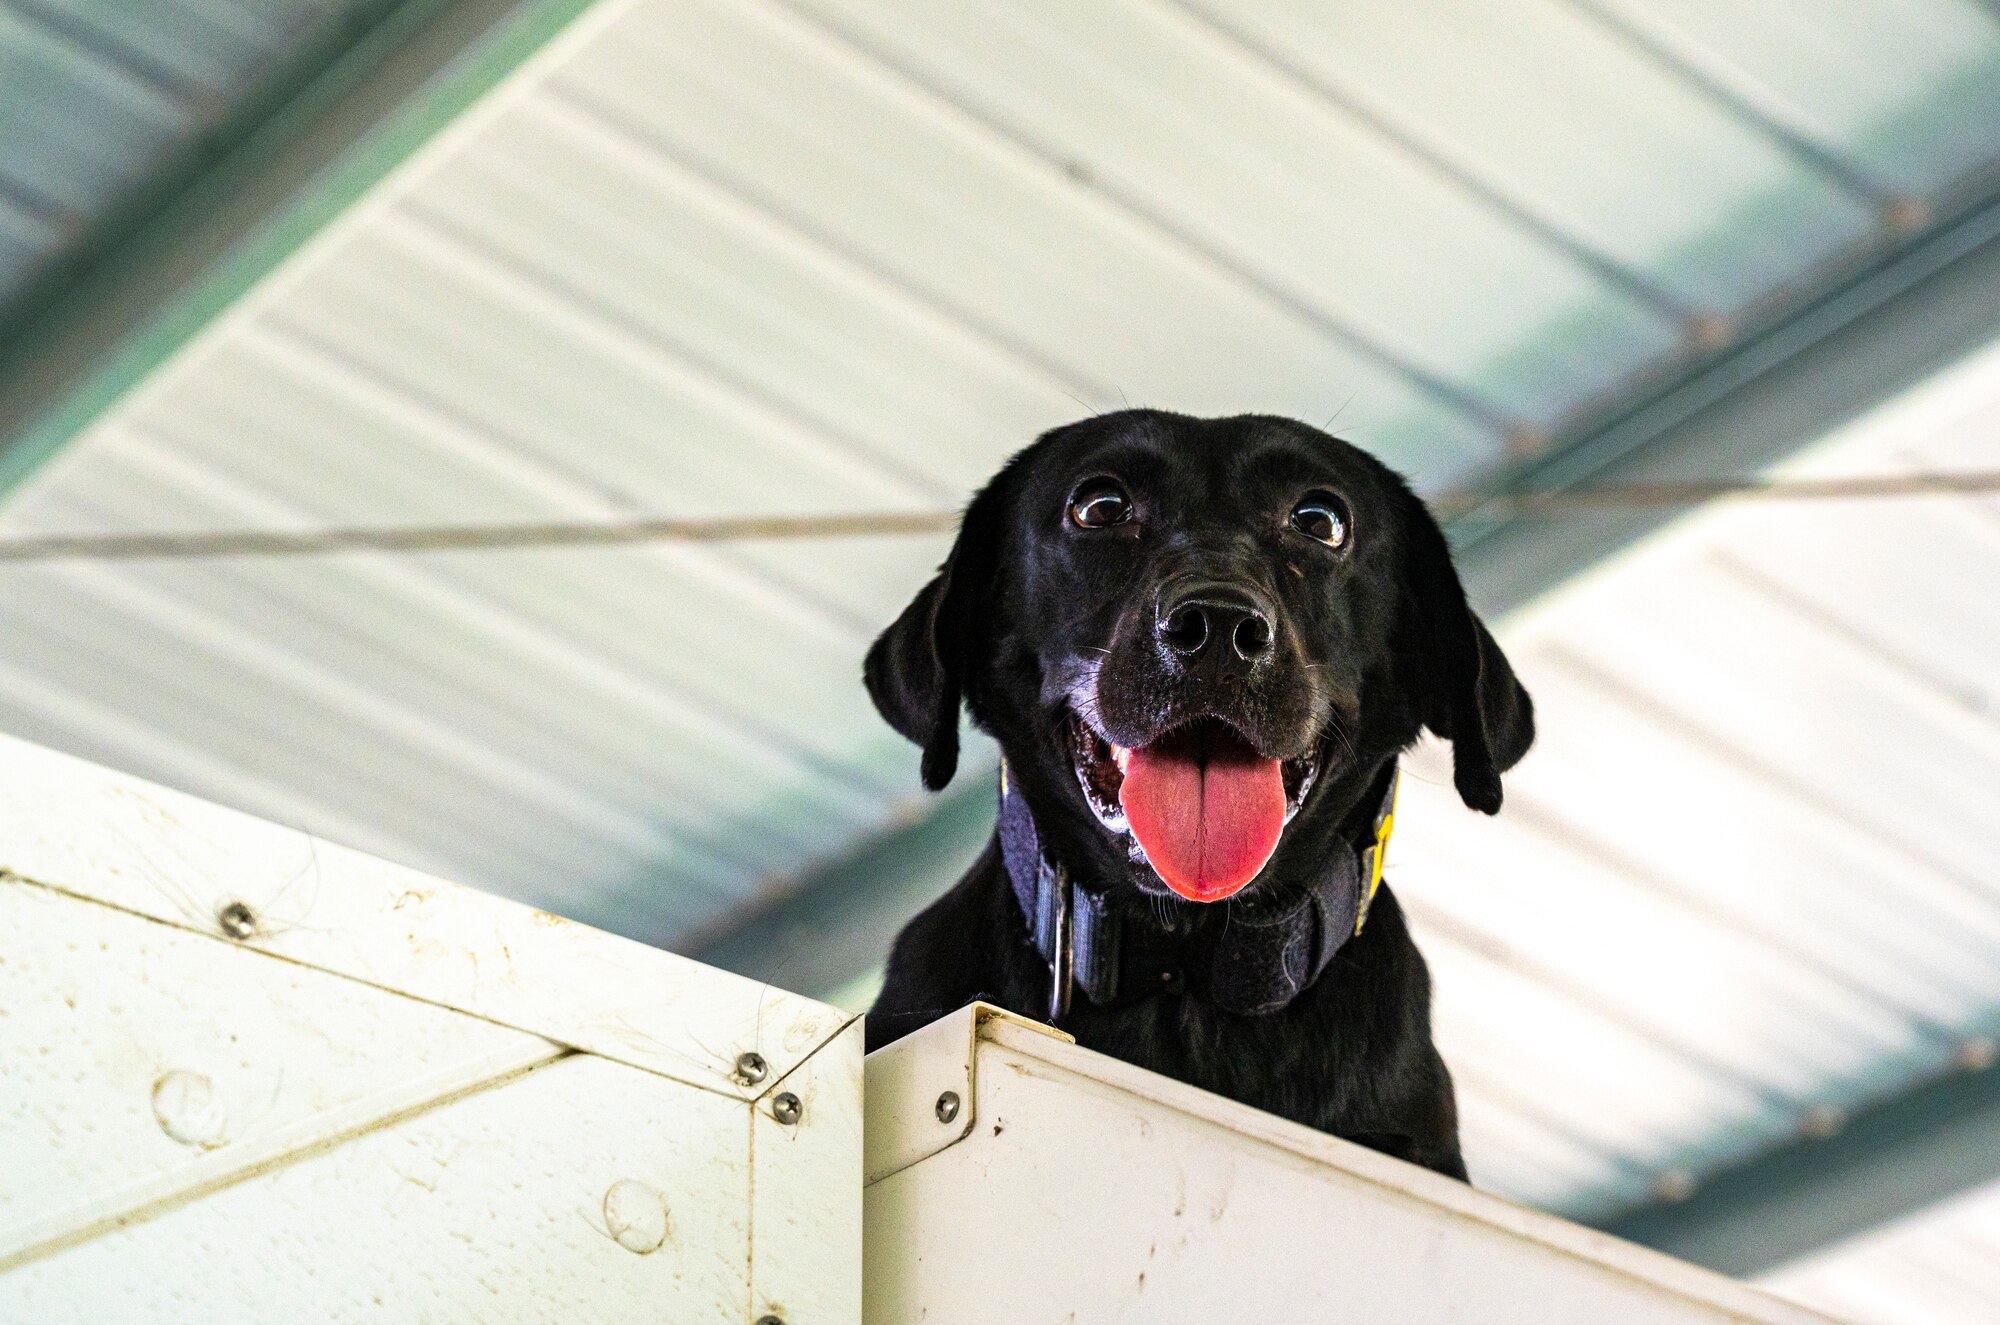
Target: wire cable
[(727, 529)]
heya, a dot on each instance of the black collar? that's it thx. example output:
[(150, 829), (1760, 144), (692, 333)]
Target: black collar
[(1242, 959)]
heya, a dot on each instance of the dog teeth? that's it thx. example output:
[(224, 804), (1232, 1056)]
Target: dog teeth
[(1119, 756)]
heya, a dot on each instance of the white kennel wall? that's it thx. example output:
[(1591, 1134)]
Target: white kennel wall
[(253, 1076), (1014, 1176)]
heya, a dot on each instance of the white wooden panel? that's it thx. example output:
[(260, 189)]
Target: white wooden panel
[(499, 1205), (907, 1120), (252, 1077), (146, 1062), (1198, 1209), (805, 1210), (162, 854)]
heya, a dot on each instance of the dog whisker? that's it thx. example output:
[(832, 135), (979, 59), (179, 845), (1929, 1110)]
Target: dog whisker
[(1334, 417), (1339, 733)]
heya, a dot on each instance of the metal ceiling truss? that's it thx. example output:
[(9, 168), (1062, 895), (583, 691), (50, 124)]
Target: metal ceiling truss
[(344, 111)]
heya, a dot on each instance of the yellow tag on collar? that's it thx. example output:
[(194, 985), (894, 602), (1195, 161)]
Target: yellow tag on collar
[(1377, 855)]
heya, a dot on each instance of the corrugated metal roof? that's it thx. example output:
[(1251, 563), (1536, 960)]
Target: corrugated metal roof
[(1933, 1268), (98, 97), (1742, 886), (805, 255)]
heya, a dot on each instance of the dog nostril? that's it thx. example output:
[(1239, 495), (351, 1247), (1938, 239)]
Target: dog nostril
[(1252, 638), (1185, 630)]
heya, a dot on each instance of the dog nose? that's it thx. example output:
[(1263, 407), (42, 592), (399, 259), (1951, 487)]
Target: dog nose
[(1215, 621)]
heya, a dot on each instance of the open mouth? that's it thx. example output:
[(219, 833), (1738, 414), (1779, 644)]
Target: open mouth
[(1199, 804)]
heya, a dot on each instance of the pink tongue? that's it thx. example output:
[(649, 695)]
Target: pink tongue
[(1207, 819)]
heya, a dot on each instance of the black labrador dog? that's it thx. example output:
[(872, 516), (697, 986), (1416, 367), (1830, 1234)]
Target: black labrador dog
[(1201, 645)]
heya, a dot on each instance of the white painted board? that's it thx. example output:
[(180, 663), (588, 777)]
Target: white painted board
[(369, 1094), (1072, 1187)]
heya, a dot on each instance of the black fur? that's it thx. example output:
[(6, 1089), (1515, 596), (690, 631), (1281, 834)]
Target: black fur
[(1033, 619)]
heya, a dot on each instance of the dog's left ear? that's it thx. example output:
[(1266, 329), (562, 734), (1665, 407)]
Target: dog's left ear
[(1465, 688), (916, 669)]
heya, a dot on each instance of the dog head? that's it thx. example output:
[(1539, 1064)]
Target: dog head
[(1197, 642)]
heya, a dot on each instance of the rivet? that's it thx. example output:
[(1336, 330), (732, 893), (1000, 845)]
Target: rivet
[(636, 1216), (786, 1108), (1525, 441), (770, 1320), (238, 921), (1707, 331), (1906, 216), (186, 1109), (751, 1068), (1977, 1054), (947, 1106), (1673, 1185)]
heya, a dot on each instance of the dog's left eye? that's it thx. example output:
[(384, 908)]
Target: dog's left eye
[(1323, 517), (1099, 503)]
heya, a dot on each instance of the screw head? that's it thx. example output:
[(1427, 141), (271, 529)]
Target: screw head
[(1905, 216), (1978, 1053), (770, 1320), (1673, 1185), (786, 1108), (751, 1068), (238, 921), (1706, 331), (947, 1106)]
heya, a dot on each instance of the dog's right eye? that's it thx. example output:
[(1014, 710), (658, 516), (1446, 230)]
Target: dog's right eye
[(1098, 504)]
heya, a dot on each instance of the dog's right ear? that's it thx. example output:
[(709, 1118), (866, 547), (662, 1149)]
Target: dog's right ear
[(916, 669)]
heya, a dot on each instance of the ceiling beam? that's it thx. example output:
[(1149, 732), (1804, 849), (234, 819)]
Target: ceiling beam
[(1911, 314), (354, 102), (1908, 1153), (832, 931)]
